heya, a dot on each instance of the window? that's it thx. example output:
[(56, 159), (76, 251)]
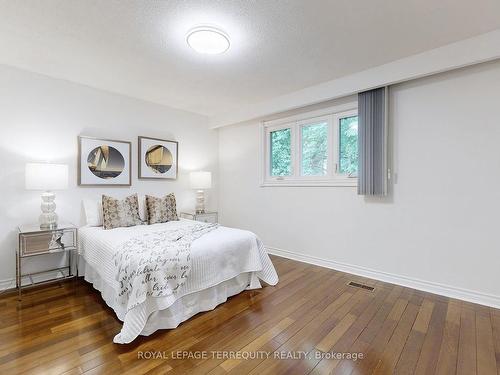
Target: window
[(314, 149), (348, 145), (310, 150), (281, 152)]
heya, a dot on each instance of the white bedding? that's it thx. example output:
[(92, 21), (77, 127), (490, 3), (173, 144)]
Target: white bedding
[(224, 262)]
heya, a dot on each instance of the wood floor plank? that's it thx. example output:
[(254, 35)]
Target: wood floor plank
[(258, 342), (427, 361), (245, 367), (335, 334), (67, 328), (344, 345), (394, 347), (495, 323), (244, 334), (447, 362), (486, 361), (371, 331), (304, 340), (467, 354), (339, 309), (424, 317), (376, 347), (411, 352)]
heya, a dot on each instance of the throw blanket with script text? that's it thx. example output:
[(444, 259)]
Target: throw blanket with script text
[(155, 264)]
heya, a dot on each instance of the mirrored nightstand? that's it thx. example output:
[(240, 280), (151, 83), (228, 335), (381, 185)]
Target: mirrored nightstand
[(206, 217), (34, 242)]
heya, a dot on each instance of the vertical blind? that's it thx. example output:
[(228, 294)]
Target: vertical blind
[(372, 142)]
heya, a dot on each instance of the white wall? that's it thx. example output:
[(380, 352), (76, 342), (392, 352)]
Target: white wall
[(440, 225), (40, 119)]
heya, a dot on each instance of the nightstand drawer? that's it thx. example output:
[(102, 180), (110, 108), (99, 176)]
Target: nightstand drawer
[(46, 242), (207, 218)]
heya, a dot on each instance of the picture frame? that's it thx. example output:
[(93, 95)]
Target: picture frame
[(157, 159), (104, 162)]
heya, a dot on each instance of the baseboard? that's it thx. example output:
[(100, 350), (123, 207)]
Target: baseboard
[(7, 284), (426, 286)]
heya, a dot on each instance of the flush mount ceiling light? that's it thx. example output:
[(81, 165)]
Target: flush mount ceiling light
[(208, 40)]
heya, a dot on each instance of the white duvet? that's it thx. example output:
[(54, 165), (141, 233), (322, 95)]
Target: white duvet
[(222, 257)]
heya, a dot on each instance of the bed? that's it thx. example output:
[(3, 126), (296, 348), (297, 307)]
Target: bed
[(224, 262)]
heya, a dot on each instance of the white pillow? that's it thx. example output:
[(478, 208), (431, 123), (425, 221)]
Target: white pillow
[(93, 211)]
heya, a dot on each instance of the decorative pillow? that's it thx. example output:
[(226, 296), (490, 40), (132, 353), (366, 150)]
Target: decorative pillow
[(120, 213), (93, 212), (161, 210)]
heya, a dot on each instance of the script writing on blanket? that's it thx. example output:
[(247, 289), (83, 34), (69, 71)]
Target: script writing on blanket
[(156, 264)]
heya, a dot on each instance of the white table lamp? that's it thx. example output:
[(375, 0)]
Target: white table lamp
[(200, 181), (47, 177)]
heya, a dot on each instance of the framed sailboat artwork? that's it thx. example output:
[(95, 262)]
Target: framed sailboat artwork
[(104, 162), (158, 158)]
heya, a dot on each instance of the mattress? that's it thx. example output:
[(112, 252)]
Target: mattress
[(232, 259)]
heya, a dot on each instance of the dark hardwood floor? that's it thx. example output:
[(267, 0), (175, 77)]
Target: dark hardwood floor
[(67, 329)]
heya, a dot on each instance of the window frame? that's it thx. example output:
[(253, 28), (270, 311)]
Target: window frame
[(313, 121), (332, 116), (269, 130), (337, 117)]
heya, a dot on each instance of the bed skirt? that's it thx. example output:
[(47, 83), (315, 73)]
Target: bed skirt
[(181, 310)]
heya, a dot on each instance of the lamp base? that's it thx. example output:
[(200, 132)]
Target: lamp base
[(48, 226), (48, 218), (200, 202)]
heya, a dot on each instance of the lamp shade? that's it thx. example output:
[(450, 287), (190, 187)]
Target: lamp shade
[(45, 176), (201, 180)]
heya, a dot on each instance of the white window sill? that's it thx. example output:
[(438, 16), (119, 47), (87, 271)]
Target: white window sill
[(344, 182)]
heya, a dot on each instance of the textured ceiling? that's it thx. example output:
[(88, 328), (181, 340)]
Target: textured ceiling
[(138, 48)]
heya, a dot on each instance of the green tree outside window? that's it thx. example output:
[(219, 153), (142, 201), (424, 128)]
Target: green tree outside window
[(348, 150), (281, 161), (315, 149)]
